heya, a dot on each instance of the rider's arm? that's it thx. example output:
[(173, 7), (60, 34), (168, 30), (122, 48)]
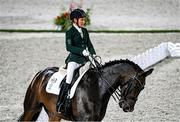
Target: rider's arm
[(89, 44), (70, 47)]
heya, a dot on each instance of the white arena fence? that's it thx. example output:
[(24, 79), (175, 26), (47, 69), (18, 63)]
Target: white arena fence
[(144, 60), (156, 54)]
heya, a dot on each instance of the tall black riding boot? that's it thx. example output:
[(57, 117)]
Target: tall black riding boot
[(61, 98)]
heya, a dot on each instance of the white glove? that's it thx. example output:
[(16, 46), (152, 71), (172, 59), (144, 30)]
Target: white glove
[(94, 55), (85, 53), (92, 61)]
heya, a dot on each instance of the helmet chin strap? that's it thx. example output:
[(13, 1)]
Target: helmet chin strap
[(78, 22)]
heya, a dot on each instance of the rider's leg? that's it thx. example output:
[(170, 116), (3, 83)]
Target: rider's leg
[(64, 89), (70, 71)]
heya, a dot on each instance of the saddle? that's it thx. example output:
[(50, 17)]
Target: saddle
[(56, 80)]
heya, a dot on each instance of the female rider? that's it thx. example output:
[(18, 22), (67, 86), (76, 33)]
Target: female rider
[(79, 46)]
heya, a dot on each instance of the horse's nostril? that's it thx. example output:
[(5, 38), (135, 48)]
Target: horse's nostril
[(120, 104)]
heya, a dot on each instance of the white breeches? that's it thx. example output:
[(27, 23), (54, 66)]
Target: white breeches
[(70, 71)]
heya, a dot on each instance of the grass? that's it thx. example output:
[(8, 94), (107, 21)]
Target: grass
[(91, 31)]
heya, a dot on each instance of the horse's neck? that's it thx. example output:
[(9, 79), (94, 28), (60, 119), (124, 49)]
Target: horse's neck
[(109, 76)]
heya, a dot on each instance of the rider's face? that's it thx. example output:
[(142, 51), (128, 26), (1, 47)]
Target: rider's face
[(80, 22)]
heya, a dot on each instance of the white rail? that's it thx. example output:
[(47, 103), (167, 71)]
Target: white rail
[(156, 54)]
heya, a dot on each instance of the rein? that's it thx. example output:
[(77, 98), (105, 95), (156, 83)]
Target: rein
[(96, 65), (117, 92)]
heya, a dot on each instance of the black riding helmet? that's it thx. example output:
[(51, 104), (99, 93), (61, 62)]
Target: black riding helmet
[(77, 13)]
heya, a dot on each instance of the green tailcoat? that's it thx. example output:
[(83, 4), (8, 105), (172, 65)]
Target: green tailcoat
[(75, 44)]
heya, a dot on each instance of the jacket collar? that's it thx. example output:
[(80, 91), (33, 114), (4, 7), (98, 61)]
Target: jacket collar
[(79, 30)]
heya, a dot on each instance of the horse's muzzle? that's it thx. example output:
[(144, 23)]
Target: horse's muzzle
[(125, 106)]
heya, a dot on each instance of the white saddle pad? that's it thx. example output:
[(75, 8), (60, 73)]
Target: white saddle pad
[(55, 80)]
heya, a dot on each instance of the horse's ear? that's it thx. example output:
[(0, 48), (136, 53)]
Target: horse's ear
[(146, 73)]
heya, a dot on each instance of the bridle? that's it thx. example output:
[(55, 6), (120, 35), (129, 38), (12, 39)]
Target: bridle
[(119, 95), (128, 85)]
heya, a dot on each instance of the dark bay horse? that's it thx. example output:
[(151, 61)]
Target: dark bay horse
[(92, 94)]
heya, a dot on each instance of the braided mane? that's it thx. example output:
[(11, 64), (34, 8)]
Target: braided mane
[(110, 63)]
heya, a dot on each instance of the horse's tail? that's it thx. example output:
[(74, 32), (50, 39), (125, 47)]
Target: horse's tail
[(33, 99), (31, 94), (32, 105)]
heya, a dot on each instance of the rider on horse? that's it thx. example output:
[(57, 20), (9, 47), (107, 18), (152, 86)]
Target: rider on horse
[(79, 46)]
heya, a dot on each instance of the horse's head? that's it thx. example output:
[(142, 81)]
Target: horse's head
[(131, 89)]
